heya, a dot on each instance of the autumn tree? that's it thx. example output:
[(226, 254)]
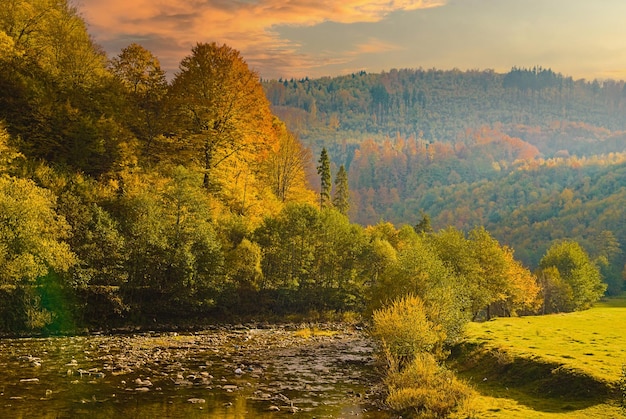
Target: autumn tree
[(341, 198), (221, 107), (418, 270), (8, 153), (323, 170), (54, 35), (285, 166), (522, 290), (32, 251), (31, 233), (579, 275), (54, 91), (140, 73), (494, 282)]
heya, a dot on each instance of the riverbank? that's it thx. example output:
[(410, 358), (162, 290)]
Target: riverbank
[(328, 371)]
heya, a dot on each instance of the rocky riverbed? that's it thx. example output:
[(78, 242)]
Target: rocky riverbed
[(227, 372)]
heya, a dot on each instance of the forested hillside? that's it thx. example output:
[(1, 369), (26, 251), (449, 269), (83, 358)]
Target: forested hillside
[(125, 196), (438, 105), (532, 155)]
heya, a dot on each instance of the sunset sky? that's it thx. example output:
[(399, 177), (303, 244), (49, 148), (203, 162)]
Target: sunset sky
[(297, 38)]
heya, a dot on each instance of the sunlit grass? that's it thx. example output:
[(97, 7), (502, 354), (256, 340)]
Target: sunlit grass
[(500, 407), (592, 341)]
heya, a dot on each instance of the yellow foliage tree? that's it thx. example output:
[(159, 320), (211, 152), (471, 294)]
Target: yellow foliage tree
[(31, 233), (222, 109), (285, 167)]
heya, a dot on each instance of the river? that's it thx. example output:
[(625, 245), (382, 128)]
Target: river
[(235, 372)]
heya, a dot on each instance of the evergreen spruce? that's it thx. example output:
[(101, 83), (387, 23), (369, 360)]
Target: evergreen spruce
[(341, 198), (325, 179)]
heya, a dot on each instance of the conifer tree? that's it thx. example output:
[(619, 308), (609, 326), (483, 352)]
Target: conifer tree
[(341, 198), (424, 225), (325, 179)]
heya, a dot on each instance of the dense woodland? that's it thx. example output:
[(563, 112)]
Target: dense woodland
[(127, 198), (531, 155)]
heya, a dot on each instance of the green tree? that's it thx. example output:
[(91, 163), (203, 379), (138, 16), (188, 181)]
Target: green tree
[(221, 107), (288, 249), (557, 295), (142, 77), (323, 170), (456, 252), (96, 239), (424, 225), (34, 256), (31, 233), (174, 255), (314, 257), (577, 272), (341, 199)]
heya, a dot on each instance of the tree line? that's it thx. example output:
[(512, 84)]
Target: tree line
[(502, 183), (437, 105)]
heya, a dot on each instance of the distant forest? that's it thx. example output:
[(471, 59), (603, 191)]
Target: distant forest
[(533, 155)]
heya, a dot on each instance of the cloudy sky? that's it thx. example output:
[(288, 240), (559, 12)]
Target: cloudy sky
[(297, 38)]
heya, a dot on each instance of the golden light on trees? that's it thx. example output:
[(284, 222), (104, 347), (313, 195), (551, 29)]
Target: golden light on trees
[(221, 107)]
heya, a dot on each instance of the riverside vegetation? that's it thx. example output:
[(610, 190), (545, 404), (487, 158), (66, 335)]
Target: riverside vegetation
[(129, 200)]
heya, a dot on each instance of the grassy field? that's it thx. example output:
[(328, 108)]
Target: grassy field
[(554, 366)]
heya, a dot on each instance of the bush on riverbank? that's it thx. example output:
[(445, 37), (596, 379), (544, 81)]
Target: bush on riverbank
[(426, 388), (411, 344)]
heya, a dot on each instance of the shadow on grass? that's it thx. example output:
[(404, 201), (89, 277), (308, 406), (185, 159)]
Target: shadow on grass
[(539, 385)]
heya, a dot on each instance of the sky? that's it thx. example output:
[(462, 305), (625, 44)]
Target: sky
[(316, 38)]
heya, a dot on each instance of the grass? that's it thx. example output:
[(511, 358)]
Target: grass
[(561, 365), (309, 332)]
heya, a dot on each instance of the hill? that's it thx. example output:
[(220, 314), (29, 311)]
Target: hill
[(533, 155)]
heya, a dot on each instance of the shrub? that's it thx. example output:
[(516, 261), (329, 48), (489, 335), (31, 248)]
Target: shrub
[(426, 389), (405, 331)]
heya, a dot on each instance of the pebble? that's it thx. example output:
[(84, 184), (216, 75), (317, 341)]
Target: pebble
[(196, 401), (143, 383)]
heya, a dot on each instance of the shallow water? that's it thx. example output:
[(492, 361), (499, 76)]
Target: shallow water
[(218, 374)]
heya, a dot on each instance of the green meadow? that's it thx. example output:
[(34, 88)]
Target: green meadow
[(560, 365)]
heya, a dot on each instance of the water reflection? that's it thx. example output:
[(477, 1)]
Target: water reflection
[(219, 374)]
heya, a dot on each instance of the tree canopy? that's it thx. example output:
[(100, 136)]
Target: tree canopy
[(220, 107), (575, 274)]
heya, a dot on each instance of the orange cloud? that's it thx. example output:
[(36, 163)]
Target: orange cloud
[(375, 46), (171, 27)]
